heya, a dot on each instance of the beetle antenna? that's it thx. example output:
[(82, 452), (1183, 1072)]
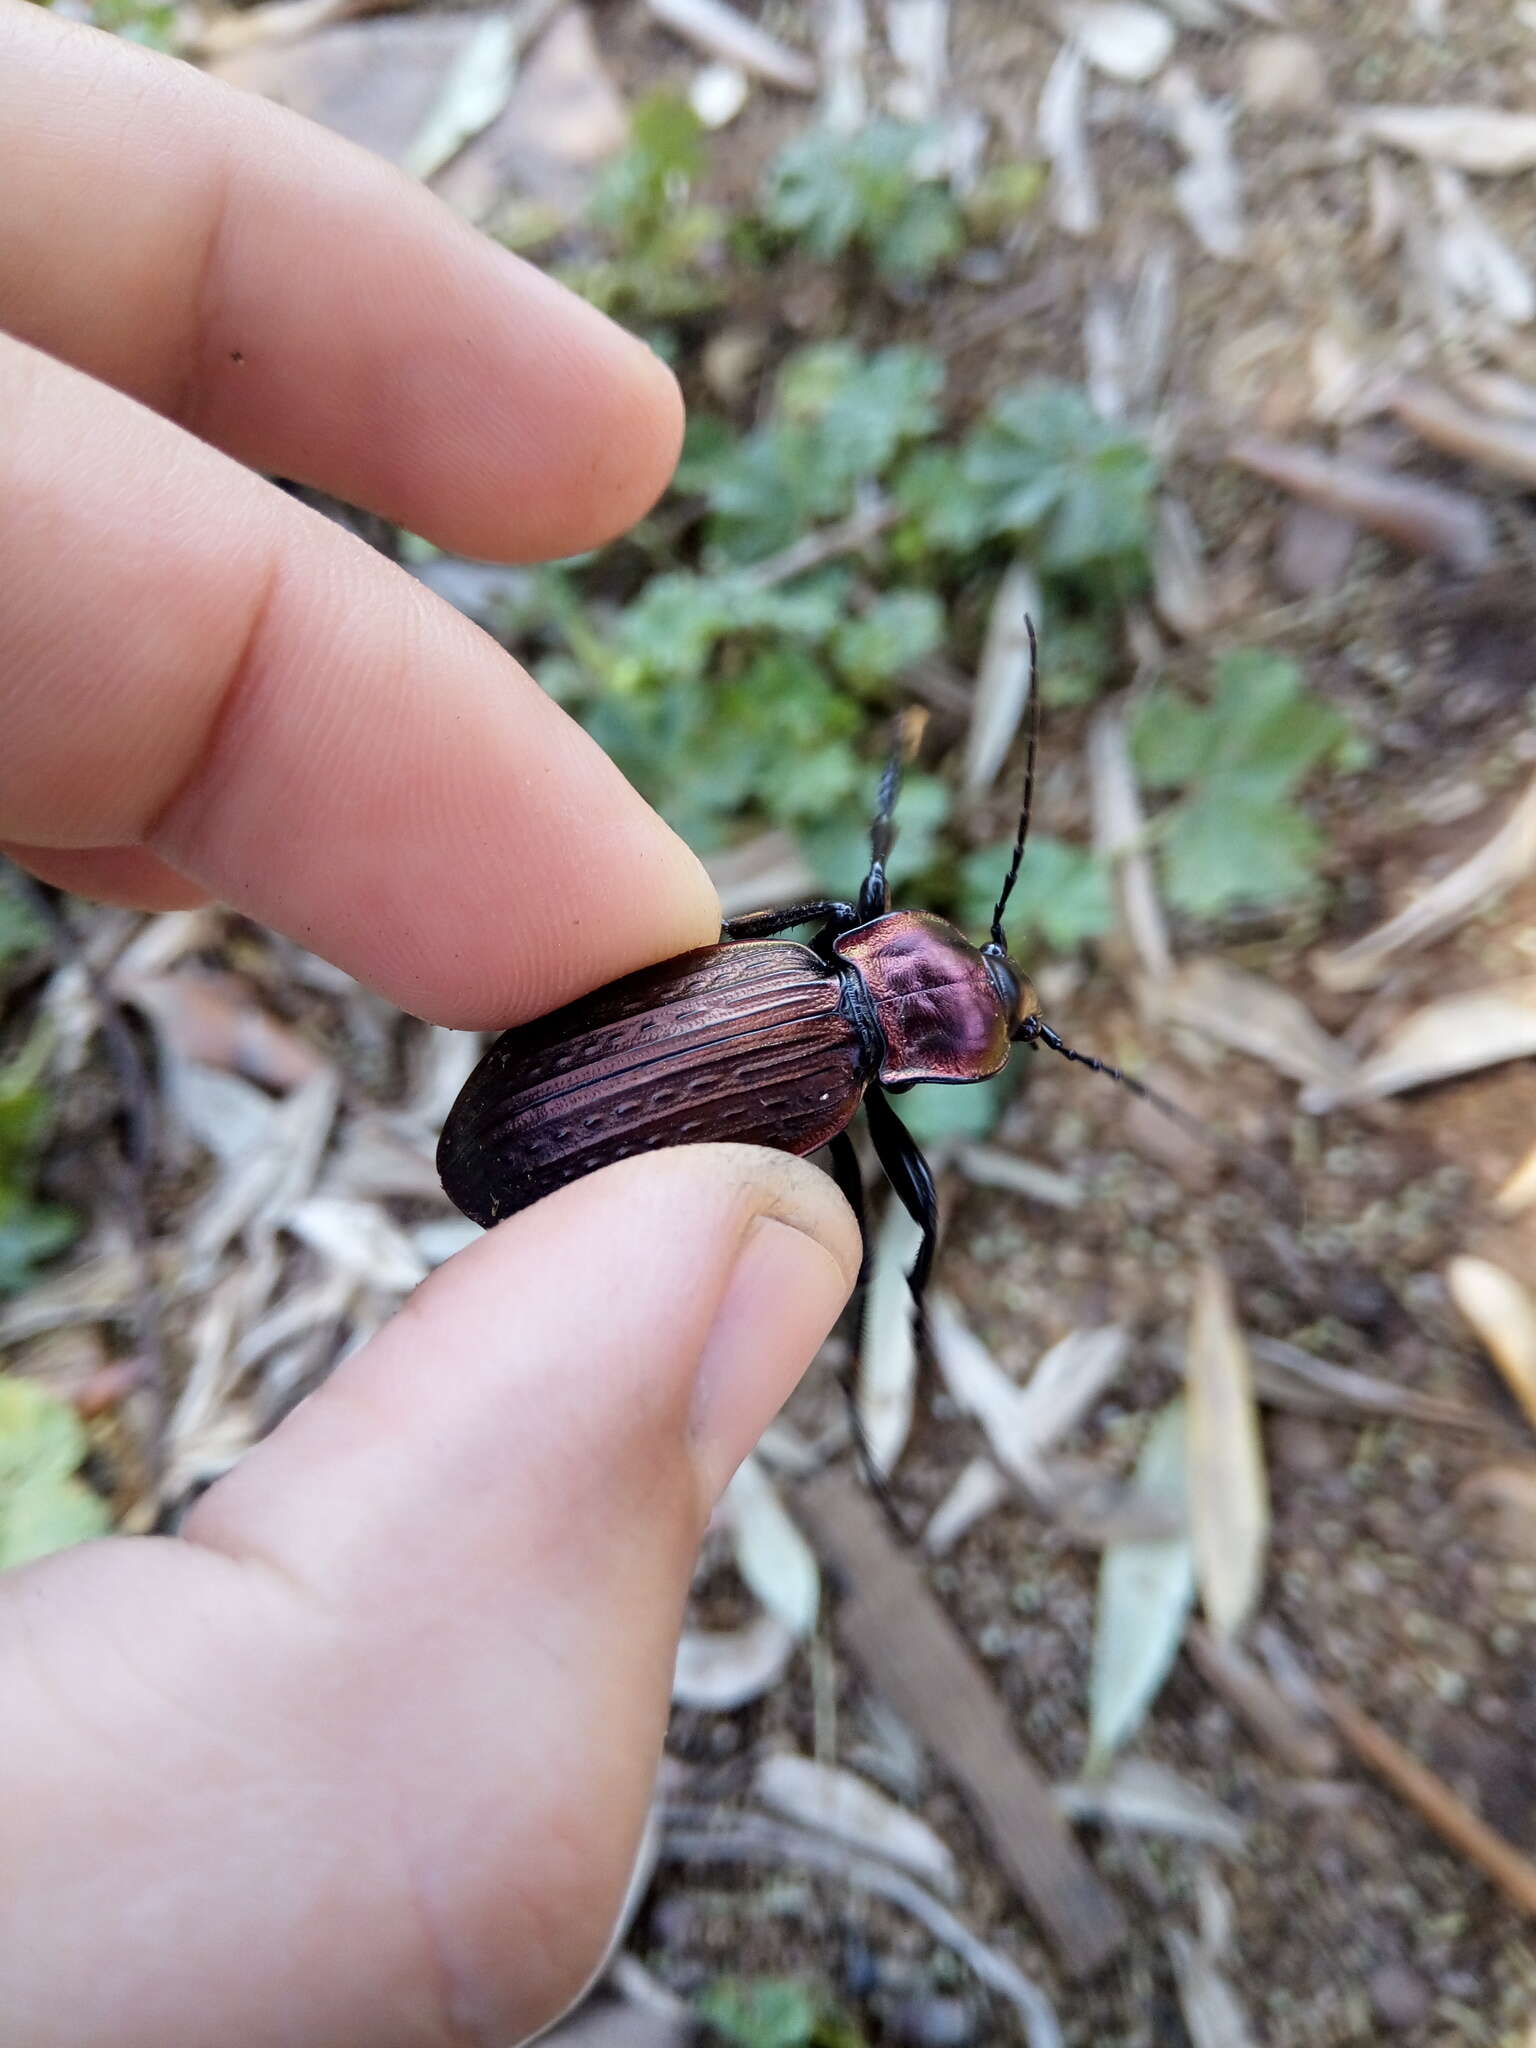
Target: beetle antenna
[(998, 939), (1254, 1164), (875, 893)]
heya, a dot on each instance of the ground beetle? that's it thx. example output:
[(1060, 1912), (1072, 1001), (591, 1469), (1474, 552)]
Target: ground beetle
[(760, 1040)]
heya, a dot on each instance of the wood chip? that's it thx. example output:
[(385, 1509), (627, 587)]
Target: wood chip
[(1228, 1487), (1458, 1035), (909, 1650), (1428, 519), (1300, 1746), (1502, 1310), (721, 32), (1469, 138), (1452, 1820), (1506, 446), (1505, 858)]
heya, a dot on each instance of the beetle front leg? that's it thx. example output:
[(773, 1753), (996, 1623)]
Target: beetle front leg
[(767, 924), (910, 1176)]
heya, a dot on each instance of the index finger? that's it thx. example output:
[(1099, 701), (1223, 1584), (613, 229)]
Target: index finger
[(193, 663)]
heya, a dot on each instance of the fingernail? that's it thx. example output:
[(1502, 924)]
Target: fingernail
[(790, 1282)]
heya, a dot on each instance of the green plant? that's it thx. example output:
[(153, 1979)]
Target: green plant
[(1062, 895), (868, 192), (776, 2012), (1237, 834), (30, 1230), (43, 1506), (653, 236)]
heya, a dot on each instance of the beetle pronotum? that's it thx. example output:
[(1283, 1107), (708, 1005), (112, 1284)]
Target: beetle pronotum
[(762, 1040)]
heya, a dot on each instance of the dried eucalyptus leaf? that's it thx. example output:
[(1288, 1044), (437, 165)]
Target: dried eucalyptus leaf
[(1502, 1310), (887, 1376), (1149, 1797), (1457, 1035), (1228, 1486), (1146, 1590), (719, 1670), (842, 1804), (772, 1556)]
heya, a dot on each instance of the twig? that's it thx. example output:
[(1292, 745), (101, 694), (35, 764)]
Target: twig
[(1454, 1822), (137, 1155), (844, 537), (688, 1838)]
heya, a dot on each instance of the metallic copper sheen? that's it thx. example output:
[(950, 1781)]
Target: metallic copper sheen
[(936, 1001), (751, 1042)]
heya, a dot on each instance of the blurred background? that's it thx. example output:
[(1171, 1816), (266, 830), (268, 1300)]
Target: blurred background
[(1201, 1706)]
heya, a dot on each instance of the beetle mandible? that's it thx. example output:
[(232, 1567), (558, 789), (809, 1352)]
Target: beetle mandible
[(761, 1040)]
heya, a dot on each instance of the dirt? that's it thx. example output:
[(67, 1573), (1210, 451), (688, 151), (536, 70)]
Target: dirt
[(1350, 1923)]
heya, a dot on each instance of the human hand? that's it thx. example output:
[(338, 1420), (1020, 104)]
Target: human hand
[(363, 1756)]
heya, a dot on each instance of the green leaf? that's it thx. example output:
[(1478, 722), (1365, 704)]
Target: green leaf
[(934, 492), (961, 1112), (43, 1507), (769, 2012), (838, 192), (1062, 895), (1043, 462), (1225, 849), (21, 929), (1172, 739), (897, 629), (30, 1233), (1146, 1590), (838, 851)]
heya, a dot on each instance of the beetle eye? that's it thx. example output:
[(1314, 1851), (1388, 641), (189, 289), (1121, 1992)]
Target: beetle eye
[(1005, 979), (1027, 1006)]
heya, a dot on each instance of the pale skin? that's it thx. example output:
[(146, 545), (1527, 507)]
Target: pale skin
[(363, 1755)]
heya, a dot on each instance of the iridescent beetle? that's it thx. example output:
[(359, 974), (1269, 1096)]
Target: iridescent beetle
[(761, 1040)]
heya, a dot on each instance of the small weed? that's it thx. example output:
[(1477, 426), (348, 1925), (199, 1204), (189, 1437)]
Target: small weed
[(868, 194)]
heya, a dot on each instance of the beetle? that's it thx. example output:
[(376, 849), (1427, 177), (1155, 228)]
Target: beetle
[(763, 1040)]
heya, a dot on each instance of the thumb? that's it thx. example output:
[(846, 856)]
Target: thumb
[(409, 1677)]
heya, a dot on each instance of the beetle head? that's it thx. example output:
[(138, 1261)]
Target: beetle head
[(1015, 990)]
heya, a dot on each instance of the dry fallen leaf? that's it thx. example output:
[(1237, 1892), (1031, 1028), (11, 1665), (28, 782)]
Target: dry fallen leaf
[(1504, 859), (215, 1020), (844, 1805), (772, 1556), (1001, 696), (1476, 264), (1427, 518), (1212, 2011), (1062, 126), (1208, 189), (1506, 446), (1519, 1191), (724, 33), (1457, 1035), (1140, 1794), (1146, 1590), (989, 1166), (1119, 836), (1121, 38), (1257, 1017), (718, 1671), (887, 1376), (1181, 584), (1470, 138), (1502, 1310), (1022, 1422), (979, 1489), (1228, 1487)]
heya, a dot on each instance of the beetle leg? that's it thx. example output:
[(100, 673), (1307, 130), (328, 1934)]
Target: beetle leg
[(850, 1180), (908, 1172), (767, 924)]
